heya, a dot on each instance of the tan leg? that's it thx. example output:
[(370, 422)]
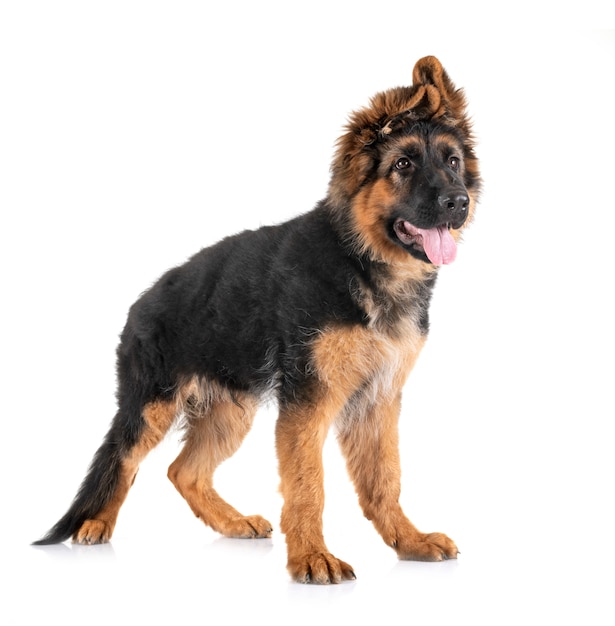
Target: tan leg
[(371, 447), (342, 359), (300, 436), (213, 436), (158, 418)]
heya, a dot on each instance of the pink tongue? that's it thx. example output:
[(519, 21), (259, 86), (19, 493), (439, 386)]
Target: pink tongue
[(439, 245)]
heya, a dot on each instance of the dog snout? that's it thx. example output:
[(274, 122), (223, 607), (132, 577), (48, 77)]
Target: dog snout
[(455, 204)]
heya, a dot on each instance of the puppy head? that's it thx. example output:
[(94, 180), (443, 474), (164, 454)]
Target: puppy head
[(383, 204)]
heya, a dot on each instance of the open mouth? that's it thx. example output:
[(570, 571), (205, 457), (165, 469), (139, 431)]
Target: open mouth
[(437, 242)]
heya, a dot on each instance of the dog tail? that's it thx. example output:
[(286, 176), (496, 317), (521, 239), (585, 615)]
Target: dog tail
[(139, 424), (97, 488)]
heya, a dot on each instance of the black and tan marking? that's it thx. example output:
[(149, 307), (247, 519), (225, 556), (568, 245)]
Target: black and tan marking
[(326, 313)]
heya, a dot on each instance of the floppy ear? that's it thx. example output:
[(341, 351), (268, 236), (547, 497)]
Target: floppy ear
[(353, 158), (428, 71)]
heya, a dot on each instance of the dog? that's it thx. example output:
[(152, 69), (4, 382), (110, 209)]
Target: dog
[(325, 313)]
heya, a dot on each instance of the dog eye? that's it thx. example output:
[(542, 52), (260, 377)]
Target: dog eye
[(403, 163), (454, 162)]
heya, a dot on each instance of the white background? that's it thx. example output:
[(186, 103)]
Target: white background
[(134, 133)]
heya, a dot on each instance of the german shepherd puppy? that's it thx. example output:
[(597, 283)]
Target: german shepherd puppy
[(327, 313)]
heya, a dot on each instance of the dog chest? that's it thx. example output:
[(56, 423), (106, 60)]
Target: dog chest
[(351, 360)]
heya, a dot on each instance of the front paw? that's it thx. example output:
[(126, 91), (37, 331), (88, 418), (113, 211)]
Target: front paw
[(320, 568), (426, 547)]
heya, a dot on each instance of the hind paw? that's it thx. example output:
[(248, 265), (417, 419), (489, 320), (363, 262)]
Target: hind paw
[(93, 531), (249, 527)]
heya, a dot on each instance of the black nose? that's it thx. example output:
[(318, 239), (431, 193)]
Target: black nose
[(454, 203)]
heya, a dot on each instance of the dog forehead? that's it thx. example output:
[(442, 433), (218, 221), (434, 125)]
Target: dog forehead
[(422, 137)]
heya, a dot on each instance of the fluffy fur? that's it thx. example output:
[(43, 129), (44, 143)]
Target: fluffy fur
[(327, 313)]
